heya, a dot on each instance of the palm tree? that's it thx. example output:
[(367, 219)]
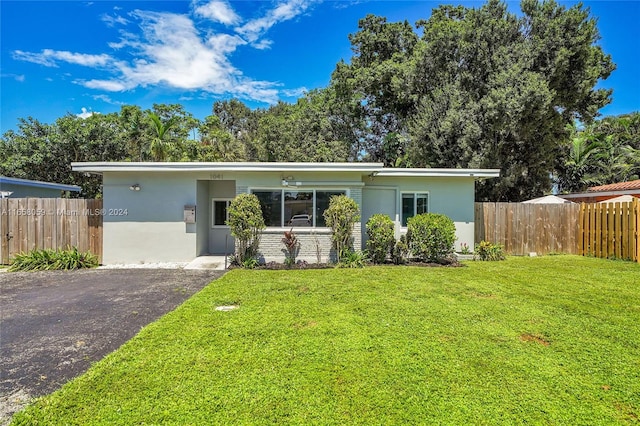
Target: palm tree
[(159, 144), (579, 167)]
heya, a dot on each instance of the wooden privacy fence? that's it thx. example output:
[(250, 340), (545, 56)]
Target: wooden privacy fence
[(49, 223), (526, 228), (610, 230)]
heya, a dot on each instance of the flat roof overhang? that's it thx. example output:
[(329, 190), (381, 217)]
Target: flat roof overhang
[(100, 167), (372, 169), (428, 172)]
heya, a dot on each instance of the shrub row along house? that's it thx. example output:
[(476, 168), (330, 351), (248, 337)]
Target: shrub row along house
[(174, 212)]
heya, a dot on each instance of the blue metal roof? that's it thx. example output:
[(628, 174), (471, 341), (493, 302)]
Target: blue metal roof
[(39, 184)]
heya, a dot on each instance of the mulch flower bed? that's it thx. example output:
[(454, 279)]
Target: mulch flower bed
[(276, 266)]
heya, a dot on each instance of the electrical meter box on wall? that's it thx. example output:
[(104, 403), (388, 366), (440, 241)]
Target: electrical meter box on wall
[(189, 214)]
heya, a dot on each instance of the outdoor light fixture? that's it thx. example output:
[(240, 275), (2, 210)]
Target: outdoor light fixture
[(135, 187)]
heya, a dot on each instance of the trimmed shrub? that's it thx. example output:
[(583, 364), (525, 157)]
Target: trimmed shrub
[(340, 216), (400, 251), (381, 237), (431, 237), (246, 223), (487, 251), (47, 260)]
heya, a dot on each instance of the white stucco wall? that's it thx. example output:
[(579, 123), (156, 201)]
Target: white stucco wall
[(148, 225), (453, 197)]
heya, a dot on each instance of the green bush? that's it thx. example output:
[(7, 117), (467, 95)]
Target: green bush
[(488, 251), (47, 260), (352, 259), (340, 216), (431, 237), (381, 238), (246, 223), (400, 251)]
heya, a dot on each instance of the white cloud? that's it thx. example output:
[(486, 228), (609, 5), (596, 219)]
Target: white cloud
[(106, 99), (111, 21), (85, 114), (17, 77), (218, 11), (170, 51), (49, 58), (263, 44), (295, 93), (108, 85), (284, 11)]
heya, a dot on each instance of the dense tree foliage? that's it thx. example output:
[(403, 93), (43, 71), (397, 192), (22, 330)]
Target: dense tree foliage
[(468, 87), (606, 151), (479, 87)]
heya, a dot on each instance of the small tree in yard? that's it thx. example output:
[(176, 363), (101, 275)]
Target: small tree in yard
[(431, 237), (246, 223), (381, 238), (340, 216)]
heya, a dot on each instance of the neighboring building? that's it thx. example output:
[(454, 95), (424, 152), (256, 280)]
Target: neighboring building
[(160, 212), (596, 194), (23, 188), (548, 199)]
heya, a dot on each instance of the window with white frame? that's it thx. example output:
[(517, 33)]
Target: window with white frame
[(220, 212), (295, 208), (413, 204)]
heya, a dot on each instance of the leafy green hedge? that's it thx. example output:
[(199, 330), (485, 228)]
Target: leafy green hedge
[(381, 237), (431, 236), (47, 260)]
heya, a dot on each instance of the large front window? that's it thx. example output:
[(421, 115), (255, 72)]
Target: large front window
[(288, 208), (413, 204)]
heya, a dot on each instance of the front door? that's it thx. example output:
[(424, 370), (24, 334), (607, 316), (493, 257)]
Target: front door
[(220, 239)]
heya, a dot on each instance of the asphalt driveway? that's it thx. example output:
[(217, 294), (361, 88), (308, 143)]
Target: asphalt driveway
[(54, 325)]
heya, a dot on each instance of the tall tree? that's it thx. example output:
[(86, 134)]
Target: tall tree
[(304, 131), (136, 132), (376, 85), (241, 123), (481, 87), (45, 152), (217, 144)]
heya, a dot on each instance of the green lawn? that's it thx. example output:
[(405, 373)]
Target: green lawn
[(548, 340)]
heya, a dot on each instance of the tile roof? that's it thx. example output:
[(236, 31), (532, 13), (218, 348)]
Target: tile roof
[(621, 186)]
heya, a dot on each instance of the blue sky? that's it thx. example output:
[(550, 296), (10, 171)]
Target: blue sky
[(60, 57)]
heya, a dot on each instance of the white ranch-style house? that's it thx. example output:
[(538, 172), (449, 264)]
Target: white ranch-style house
[(174, 212)]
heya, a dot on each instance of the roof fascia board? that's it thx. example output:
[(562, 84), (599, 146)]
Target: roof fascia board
[(600, 193), (475, 173), (99, 167), (375, 169)]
